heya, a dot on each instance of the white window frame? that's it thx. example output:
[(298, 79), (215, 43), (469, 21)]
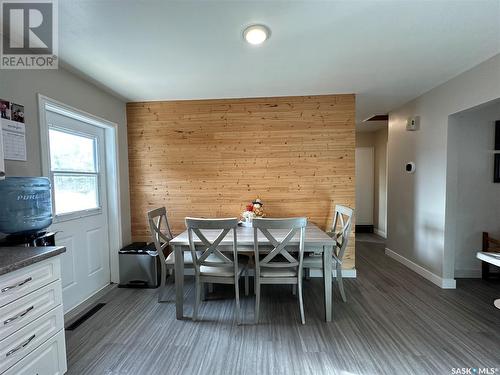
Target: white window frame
[(66, 216), (112, 158)]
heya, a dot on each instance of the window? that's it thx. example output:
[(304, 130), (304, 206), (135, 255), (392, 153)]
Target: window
[(74, 171)]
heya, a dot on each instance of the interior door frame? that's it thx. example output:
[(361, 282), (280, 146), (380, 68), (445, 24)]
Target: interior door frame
[(112, 167)]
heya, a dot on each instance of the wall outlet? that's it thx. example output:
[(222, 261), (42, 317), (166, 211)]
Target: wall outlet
[(413, 123)]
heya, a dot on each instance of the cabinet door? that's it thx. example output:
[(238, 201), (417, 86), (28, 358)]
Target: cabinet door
[(27, 339), (47, 359), (17, 284), (23, 311)]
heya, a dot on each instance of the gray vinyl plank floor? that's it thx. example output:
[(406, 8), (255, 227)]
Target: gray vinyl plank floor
[(394, 322)]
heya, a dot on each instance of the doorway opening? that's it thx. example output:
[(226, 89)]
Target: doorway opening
[(472, 204)]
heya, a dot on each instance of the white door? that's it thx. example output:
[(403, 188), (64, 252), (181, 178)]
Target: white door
[(364, 185), (78, 174)]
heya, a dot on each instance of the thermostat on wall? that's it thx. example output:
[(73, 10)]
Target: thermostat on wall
[(410, 167), (413, 123)]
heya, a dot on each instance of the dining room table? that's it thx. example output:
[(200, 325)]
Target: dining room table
[(316, 241)]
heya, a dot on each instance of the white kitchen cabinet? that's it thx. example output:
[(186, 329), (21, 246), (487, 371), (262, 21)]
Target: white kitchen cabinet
[(31, 320)]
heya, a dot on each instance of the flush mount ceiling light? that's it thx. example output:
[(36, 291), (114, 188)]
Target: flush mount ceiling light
[(256, 34)]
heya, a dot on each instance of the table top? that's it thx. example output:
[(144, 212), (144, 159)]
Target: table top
[(314, 237), (14, 257), (493, 258)]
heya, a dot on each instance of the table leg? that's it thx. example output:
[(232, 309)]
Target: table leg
[(179, 282), (327, 278)]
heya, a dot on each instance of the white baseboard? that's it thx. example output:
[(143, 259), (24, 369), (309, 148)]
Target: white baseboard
[(380, 233), (432, 277), (346, 274), (467, 274)]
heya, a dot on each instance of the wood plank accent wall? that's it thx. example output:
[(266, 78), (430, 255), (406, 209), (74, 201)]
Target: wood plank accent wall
[(210, 157)]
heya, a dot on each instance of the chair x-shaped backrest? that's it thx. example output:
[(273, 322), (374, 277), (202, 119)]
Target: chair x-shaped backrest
[(160, 230), (343, 219), (294, 225), (210, 254)]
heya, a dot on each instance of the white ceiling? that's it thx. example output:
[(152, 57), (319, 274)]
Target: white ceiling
[(387, 52)]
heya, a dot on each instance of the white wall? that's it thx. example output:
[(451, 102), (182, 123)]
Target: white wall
[(473, 200), (22, 86), (416, 203), (377, 140)]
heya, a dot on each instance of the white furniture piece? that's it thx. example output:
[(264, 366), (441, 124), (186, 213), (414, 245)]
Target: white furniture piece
[(210, 264), (343, 219), (492, 258), (315, 240), (269, 270), (32, 321)]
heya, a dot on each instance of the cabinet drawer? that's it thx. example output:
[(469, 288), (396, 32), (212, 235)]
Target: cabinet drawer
[(48, 359), (17, 314), (21, 343), (14, 285)]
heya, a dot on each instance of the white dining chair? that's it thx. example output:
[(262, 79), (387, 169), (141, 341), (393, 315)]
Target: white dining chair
[(211, 265), (343, 218), (287, 268), (161, 236)]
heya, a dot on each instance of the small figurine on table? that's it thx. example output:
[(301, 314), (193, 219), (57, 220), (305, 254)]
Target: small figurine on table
[(257, 208), (252, 210)]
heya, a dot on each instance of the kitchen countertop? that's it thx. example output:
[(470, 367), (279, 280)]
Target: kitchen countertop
[(14, 257)]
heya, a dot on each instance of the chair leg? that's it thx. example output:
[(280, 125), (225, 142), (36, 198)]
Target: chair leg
[(172, 274), (197, 296), (340, 282), (307, 273), (163, 284), (247, 287), (257, 300), (204, 292), (301, 302), (237, 295), (485, 271), (254, 283), (294, 289)]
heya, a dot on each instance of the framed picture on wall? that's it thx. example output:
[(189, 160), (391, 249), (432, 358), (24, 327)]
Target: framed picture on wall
[(496, 173)]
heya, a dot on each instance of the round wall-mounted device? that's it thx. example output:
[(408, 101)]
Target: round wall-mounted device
[(410, 167)]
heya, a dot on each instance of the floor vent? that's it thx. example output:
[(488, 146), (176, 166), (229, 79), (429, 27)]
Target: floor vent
[(84, 317)]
